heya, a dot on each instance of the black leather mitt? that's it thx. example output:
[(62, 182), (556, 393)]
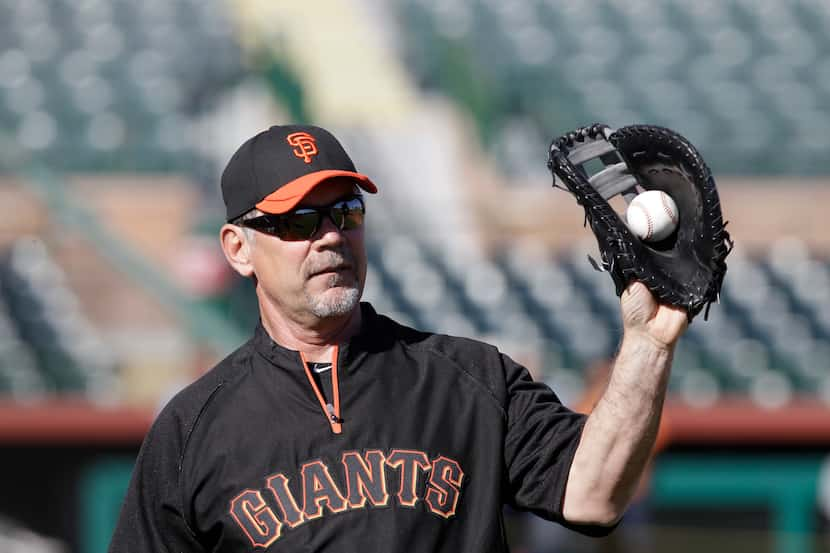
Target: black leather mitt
[(686, 269)]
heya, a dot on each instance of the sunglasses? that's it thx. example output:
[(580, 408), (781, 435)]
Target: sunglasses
[(304, 222)]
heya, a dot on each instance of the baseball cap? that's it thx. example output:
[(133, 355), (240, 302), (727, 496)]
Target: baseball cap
[(274, 170)]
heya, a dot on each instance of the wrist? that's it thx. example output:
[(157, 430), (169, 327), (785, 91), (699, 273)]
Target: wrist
[(643, 358), (642, 339)]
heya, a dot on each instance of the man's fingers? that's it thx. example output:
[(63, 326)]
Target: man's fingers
[(636, 288)]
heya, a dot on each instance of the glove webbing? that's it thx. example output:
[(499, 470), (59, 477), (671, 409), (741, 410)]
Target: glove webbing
[(615, 178)]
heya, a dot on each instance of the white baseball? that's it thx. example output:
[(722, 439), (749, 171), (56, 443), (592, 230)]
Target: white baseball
[(652, 215)]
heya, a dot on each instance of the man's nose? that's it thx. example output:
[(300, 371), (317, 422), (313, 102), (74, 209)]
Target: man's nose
[(328, 230)]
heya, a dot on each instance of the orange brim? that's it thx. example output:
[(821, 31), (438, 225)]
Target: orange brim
[(286, 197)]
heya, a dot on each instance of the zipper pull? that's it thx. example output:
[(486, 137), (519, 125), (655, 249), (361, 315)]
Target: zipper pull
[(334, 418)]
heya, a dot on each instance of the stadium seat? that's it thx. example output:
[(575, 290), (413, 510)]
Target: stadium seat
[(90, 84), (740, 79), (71, 357)]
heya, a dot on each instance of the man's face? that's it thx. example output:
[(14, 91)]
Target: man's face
[(316, 278)]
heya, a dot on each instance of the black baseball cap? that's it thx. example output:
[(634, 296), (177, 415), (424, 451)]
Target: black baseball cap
[(274, 170)]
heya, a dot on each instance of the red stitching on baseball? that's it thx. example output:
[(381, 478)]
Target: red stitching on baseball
[(672, 215), (649, 222)]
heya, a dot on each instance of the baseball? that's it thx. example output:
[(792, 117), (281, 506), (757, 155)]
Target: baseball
[(652, 215)]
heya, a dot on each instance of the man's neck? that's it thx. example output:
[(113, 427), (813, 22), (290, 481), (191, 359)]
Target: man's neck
[(316, 338)]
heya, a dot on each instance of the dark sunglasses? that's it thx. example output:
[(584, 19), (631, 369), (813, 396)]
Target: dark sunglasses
[(304, 222)]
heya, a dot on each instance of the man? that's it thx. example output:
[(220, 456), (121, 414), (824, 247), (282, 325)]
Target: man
[(336, 429)]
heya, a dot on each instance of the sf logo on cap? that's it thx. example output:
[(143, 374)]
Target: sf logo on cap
[(305, 146)]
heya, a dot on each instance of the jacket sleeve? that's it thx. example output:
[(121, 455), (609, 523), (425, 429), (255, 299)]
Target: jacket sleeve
[(541, 440), (152, 518)]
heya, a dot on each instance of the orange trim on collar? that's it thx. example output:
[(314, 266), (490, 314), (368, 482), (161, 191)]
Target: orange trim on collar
[(334, 418)]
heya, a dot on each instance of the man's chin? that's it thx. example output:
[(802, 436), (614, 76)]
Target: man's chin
[(335, 302)]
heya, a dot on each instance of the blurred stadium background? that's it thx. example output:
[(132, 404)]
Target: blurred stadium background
[(116, 119)]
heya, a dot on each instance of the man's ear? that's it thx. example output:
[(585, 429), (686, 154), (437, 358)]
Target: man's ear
[(237, 249)]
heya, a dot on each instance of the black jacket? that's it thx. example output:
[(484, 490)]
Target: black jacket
[(436, 434)]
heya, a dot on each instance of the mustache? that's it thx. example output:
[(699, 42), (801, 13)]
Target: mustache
[(328, 261)]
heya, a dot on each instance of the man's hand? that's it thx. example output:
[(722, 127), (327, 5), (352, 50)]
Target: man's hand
[(643, 315)]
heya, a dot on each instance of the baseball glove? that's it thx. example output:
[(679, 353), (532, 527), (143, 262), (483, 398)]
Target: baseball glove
[(686, 269)]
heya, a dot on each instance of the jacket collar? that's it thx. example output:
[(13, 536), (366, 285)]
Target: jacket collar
[(288, 358)]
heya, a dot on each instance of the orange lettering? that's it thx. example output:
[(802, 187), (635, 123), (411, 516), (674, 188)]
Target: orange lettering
[(319, 488), (408, 463), (258, 521), (365, 477), (305, 145), (444, 487)]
